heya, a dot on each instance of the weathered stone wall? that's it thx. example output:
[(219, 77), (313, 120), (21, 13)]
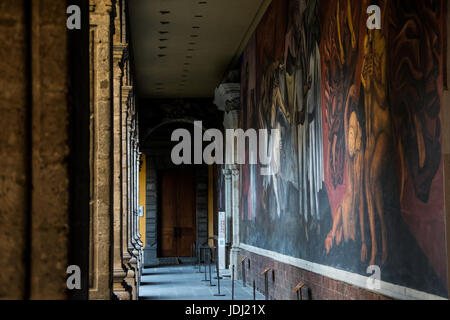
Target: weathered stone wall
[(37, 102), (14, 141)]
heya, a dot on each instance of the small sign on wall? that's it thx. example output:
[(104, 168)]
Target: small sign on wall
[(141, 211), (221, 241)]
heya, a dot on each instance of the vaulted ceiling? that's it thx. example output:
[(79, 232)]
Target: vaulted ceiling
[(182, 48)]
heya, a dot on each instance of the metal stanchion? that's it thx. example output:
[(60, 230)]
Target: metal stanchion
[(243, 271), (254, 290), (232, 282), (204, 263), (217, 263), (204, 257), (266, 286), (218, 279), (209, 267), (198, 258)]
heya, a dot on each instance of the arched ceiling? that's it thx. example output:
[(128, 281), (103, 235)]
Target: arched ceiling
[(182, 48)]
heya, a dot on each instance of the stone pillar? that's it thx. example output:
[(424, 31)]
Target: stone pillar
[(133, 262), (228, 204), (14, 143), (235, 250), (40, 96), (126, 239), (101, 130), (119, 272), (227, 98)]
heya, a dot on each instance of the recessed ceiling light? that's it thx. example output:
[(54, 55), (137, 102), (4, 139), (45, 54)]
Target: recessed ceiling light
[(198, 16), (163, 32), (165, 12), (195, 27), (202, 2), (161, 55)]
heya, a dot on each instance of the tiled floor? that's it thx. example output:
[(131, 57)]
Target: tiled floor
[(185, 283)]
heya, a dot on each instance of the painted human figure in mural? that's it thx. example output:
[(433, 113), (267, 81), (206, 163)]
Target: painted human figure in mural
[(277, 116), (344, 116), (310, 132), (303, 92), (345, 218), (340, 59), (249, 171), (378, 134)]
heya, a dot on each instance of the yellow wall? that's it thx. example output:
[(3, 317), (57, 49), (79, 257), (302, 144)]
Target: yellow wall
[(211, 204), (142, 185)]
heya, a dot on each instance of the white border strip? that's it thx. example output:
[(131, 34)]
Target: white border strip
[(387, 289)]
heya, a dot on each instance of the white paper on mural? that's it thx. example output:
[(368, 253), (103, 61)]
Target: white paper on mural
[(221, 240), (141, 211)]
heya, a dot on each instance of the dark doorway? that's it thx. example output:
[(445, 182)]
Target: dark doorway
[(178, 220)]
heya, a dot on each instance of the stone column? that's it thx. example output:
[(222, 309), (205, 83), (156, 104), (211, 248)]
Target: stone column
[(119, 273), (227, 98), (228, 206), (100, 159), (133, 262), (126, 240), (232, 195), (235, 250)]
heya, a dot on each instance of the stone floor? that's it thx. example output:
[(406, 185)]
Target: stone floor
[(184, 282)]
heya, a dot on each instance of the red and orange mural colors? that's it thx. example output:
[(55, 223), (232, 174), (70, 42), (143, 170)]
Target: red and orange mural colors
[(359, 110)]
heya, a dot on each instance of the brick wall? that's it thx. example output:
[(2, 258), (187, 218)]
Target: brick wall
[(283, 278)]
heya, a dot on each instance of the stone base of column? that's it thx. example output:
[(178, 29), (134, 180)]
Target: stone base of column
[(120, 289), (130, 279)]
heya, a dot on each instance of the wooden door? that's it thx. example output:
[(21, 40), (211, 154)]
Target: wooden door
[(178, 213)]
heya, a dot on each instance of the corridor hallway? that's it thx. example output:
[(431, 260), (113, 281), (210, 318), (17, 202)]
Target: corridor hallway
[(305, 142), (185, 282)]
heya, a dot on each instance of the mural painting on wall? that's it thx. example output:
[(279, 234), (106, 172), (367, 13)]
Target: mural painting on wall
[(359, 111)]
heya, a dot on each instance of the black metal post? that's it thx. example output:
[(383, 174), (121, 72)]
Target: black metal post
[(198, 258), (204, 257), (204, 262), (209, 266), (217, 264), (254, 290), (243, 274), (232, 282), (218, 281), (266, 286)]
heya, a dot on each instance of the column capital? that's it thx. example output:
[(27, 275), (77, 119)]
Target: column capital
[(226, 173), (227, 96), (119, 51), (235, 170)]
